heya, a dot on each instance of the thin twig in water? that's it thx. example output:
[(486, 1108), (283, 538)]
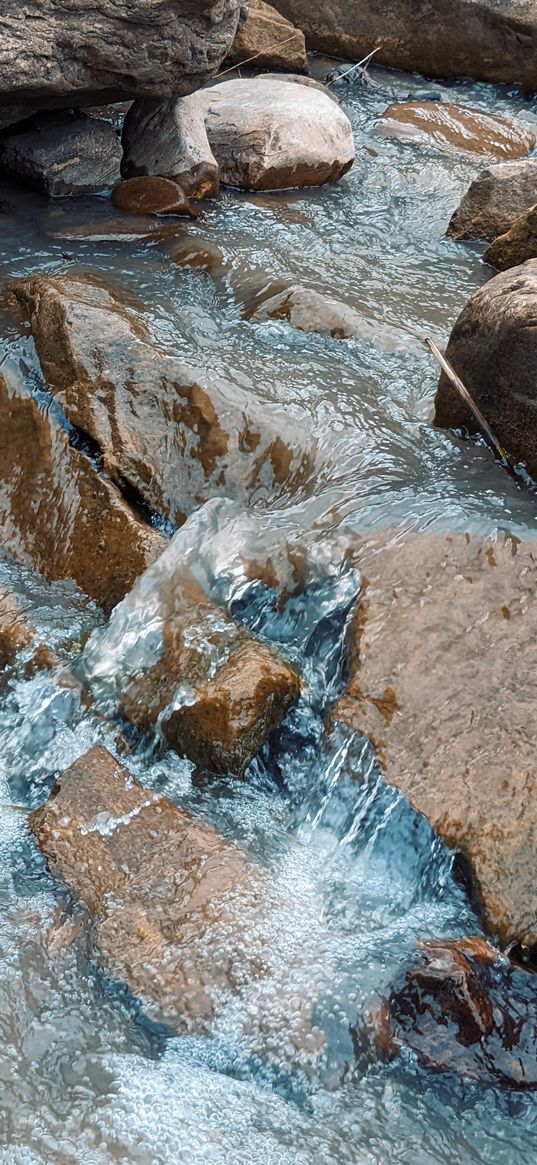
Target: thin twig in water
[(337, 75), (469, 400), (262, 53)]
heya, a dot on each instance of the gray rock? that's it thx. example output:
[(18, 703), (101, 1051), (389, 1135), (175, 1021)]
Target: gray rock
[(168, 138), (54, 53), (495, 199), (64, 154)]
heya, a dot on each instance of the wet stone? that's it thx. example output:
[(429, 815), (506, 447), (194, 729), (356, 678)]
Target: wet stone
[(494, 200), (312, 311), (169, 899), (151, 195), (517, 245), (64, 154), (449, 125)]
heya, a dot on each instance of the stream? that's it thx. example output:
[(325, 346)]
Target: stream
[(358, 877)]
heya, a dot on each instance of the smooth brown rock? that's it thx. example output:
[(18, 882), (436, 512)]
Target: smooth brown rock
[(174, 437), (495, 199), (16, 631), (273, 41), (516, 246), (170, 900), (490, 40), (169, 138), (171, 657), (151, 195), (453, 126), (63, 154), (493, 347), (312, 311), (441, 650), (57, 514), (463, 1008)]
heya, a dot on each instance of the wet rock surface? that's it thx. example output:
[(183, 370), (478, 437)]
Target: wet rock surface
[(447, 125), (493, 349), (311, 311), (173, 436), (495, 199), (489, 40), (517, 245), (70, 54), (64, 155), (169, 138), (437, 611), (172, 659), (274, 41), (151, 195), (16, 631), (463, 1008), (169, 899), (57, 514)]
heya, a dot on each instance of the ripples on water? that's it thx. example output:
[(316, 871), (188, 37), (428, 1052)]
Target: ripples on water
[(358, 877)]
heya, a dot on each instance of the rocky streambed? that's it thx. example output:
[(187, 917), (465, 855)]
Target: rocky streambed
[(266, 636)]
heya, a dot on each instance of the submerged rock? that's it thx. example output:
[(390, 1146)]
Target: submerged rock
[(16, 631), (451, 125), (151, 195), (168, 433), (495, 199), (64, 154), (57, 514), (172, 659), (170, 900), (311, 311), (169, 138), (493, 348), (490, 40), (464, 1008), (274, 41), (66, 55), (517, 245), (441, 648)]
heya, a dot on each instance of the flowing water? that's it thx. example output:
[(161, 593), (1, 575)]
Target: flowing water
[(359, 878)]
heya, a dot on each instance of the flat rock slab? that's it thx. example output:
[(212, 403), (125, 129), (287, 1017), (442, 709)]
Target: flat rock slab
[(490, 40), (53, 53), (273, 41), (170, 900), (171, 659), (452, 126), (517, 245), (171, 434), (494, 200), (493, 348), (443, 655), (57, 514), (64, 155)]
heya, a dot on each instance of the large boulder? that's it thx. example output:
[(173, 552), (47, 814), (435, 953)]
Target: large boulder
[(64, 154), (442, 645), (491, 40), (172, 905), (58, 514), (493, 348), (517, 245), (171, 659), (274, 42), (171, 435), (267, 133), (57, 54), (495, 199), (447, 125)]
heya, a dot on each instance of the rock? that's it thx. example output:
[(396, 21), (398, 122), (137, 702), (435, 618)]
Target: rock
[(495, 199), (173, 437), (517, 245), (171, 656), (451, 125), (170, 900), (14, 114), (76, 55), (16, 631), (270, 134), (441, 648), (311, 311), (169, 138), (489, 40), (493, 347), (151, 195), (64, 154), (463, 1008), (57, 514), (274, 41)]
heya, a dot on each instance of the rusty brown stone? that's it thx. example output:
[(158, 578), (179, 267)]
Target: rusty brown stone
[(516, 246), (173, 437), (449, 125), (151, 195), (57, 514), (494, 200), (463, 1008), (439, 684), (169, 899), (16, 631)]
